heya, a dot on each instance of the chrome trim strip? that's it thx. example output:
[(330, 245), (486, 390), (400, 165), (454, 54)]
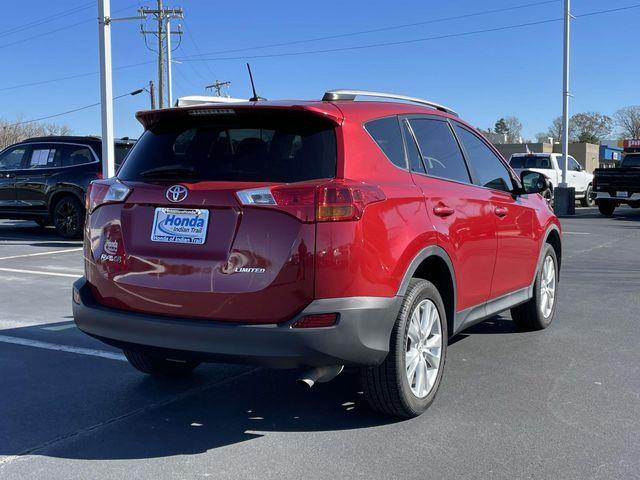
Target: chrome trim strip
[(634, 196)]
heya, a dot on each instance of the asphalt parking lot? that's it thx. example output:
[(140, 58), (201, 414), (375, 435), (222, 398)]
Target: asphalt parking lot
[(563, 403)]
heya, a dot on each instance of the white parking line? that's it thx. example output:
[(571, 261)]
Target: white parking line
[(58, 328), (51, 252), (564, 233), (40, 272), (62, 348)]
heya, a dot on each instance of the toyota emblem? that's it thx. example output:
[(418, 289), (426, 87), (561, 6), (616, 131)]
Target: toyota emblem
[(177, 193)]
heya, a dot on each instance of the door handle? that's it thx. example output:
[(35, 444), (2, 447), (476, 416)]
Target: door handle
[(501, 211), (442, 210)]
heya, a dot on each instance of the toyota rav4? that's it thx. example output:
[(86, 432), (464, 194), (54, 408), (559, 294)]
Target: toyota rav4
[(316, 235)]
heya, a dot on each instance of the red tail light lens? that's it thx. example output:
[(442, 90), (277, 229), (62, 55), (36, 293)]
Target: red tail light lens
[(101, 192), (340, 200)]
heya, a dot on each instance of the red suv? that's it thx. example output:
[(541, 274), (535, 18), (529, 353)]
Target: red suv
[(314, 234)]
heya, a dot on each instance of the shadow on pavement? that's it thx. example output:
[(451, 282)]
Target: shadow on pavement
[(29, 233)]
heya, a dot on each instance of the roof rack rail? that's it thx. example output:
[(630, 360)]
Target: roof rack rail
[(332, 95)]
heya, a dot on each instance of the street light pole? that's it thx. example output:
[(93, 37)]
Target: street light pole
[(565, 93), (169, 72), (564, 197), (106, 89)]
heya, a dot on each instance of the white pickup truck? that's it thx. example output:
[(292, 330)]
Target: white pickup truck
[(549, 165)]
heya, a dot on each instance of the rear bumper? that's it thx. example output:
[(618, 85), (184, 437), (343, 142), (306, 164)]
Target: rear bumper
[(634, 197), (359, 338)]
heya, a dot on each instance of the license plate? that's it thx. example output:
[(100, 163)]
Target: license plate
[(180, 225), (622, 194)]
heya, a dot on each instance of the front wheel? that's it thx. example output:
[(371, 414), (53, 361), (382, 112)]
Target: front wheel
[(587, 201), (159, 366), (538, 312), (68, 217), (406, 383)]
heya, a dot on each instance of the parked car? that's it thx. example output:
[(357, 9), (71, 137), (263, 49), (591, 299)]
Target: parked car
[(550, 165), (618, 186), (45, 179), (314, 234)]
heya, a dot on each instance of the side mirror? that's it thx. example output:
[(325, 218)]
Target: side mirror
[(534, 182)]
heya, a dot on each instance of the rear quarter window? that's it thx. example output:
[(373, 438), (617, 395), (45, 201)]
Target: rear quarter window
[(386, 133)]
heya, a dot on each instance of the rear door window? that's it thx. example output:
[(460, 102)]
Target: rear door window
[(76, 155), (491, 172), (245, 147), (11, 159), (439, 149), (386, 133)]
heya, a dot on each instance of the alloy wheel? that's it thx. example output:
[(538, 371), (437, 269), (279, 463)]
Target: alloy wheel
[(547, 287), (423, 348)]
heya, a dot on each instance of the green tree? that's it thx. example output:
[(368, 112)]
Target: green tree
[(501, 127)]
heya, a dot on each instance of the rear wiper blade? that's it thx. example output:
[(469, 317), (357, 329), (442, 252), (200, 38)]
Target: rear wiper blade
[(170, 170)]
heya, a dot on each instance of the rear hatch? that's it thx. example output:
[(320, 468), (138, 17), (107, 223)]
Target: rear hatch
[(185, 230)]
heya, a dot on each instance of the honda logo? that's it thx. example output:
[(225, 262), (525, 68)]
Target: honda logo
[(177, 193)]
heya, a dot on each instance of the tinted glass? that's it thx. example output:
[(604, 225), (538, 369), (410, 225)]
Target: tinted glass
[(76, 155), (386, 133), (631, 161), (244, 147), (574, 165), (440, 152), (11, 159), (491, 171), (45, 156), (121, 152), (412, 150), (533, 161)]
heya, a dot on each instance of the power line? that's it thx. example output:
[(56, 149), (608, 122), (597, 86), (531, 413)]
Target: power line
[(59, 29), (407, 42), (381, 29), (134, 92), (70, 77), (47, 19)]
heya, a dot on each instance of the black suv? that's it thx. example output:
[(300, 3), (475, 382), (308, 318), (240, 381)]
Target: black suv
[(45, 179)]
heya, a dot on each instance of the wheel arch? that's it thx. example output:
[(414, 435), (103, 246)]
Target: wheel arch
[(434, 264), (65, 192)]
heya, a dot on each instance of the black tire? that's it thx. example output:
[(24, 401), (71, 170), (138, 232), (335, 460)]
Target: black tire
[(606, 208), (529, 315), (587, 201), (386, 387), (159, 366), (68, 217)]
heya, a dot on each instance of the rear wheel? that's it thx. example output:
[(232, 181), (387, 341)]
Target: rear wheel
[(159, 366), (606, 208), (406, 383), (68, 217), (538, 312), (587, 201)]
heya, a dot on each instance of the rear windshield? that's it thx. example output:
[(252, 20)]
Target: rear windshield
[(530, 162), (631, 161), (247, 147)]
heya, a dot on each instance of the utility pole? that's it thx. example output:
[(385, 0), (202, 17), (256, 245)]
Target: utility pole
[(564, 197), (218, 86), (106, 89), (152, 95), (163, 34)]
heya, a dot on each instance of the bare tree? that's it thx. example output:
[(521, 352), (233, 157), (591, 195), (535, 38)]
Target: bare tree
[(628, 119), (514, 129), (555, 130), (16, 131), (591, 127)]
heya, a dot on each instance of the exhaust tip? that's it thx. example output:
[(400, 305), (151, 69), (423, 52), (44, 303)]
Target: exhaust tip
[(305, 383)]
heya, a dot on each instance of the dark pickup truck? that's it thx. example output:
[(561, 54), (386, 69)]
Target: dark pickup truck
[(618, 186)]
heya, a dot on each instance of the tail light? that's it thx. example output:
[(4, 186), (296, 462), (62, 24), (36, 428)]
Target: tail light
[(101, 192), (339, 200)]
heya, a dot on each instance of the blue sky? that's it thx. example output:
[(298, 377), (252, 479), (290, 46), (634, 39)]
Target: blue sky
[(483, 76)]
